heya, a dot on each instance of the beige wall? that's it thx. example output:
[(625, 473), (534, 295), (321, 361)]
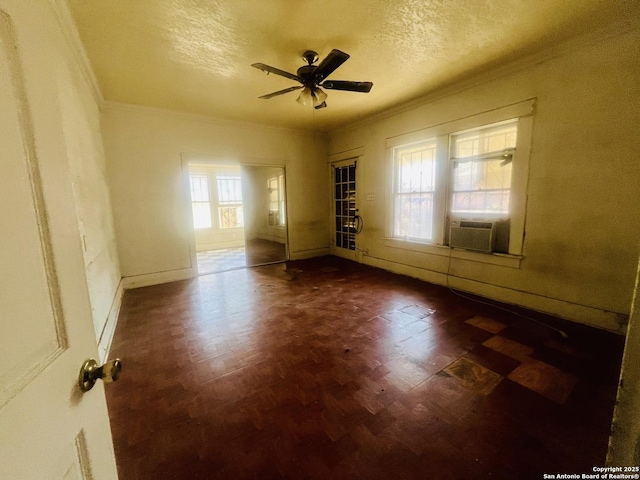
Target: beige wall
[(583, 206), (146, 149)]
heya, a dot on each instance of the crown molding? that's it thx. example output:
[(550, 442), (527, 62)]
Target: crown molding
[(194, 117), (565, 48)]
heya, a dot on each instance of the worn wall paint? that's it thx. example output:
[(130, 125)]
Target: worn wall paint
[(583, 213), (81, 125), (150, 201)]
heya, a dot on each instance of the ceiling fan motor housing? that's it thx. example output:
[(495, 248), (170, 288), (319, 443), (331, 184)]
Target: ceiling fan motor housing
[(310, 56), (306, 74), (313, 76)]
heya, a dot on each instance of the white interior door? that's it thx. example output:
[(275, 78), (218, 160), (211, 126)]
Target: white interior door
[(48, 428)]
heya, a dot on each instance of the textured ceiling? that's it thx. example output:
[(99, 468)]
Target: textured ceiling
[(195, 55)]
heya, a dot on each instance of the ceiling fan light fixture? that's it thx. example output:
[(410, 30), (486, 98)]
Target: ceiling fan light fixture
[(311, 77), (306, 97), (318, 97)]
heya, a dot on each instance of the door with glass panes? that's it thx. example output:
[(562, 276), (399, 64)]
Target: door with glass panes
[(346, 221)]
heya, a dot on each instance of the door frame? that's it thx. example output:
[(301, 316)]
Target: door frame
[(333, 248), (186, 159)]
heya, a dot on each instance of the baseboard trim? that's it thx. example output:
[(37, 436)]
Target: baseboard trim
[(148, 279), (106, 337), (314, 252), (594, 317)]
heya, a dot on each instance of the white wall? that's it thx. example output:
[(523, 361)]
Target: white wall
[(583, 207), (149, 193)]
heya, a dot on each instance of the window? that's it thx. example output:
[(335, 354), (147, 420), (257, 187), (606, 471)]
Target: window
[(481, 180), (414, 190), (200, 201), (275, 186), (474, 168), (230, 213), (216, 197)]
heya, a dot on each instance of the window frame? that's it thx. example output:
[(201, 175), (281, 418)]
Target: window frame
[(228, 204), (430, 143), (453, 159), (212, 173), (523, 113)]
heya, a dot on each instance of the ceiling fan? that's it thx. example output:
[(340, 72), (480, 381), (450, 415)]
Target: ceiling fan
[(312, 77)]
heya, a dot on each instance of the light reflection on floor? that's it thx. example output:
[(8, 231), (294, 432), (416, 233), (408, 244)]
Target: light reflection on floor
[(220, 260)]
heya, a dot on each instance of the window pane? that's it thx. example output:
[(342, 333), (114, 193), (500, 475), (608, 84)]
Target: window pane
[(485, 140), (481, 175), (201, 214), (199, 188), (273, 194), (416, 169), (414, 188), (482, 185), (281, 199), (229, 189), (414, 216), (481, 202), (230, 217)]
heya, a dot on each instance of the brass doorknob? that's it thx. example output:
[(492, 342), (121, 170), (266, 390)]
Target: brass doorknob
[(91, 372)]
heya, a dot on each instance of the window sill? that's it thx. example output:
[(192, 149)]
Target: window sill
[(500, 259)]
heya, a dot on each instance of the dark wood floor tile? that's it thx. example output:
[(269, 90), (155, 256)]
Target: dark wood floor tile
[(508, 347), (474, 376), (486, 323), (417, 310), (545, 379), (408, 369), (492, 359), (524, 336), (324, 368)]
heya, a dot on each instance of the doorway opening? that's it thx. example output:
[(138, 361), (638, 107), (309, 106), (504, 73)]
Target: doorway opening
[(239, 215), (346, 220)]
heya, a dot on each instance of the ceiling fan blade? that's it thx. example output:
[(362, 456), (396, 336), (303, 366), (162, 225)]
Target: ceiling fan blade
[(280, 92), (329, 64), (364, 87), (277, 71)]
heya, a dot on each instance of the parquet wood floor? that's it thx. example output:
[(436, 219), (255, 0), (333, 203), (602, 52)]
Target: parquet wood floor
[(326, 369), (255, 252)]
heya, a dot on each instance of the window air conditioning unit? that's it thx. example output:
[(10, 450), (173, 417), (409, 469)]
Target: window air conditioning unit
[(472, 235)]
